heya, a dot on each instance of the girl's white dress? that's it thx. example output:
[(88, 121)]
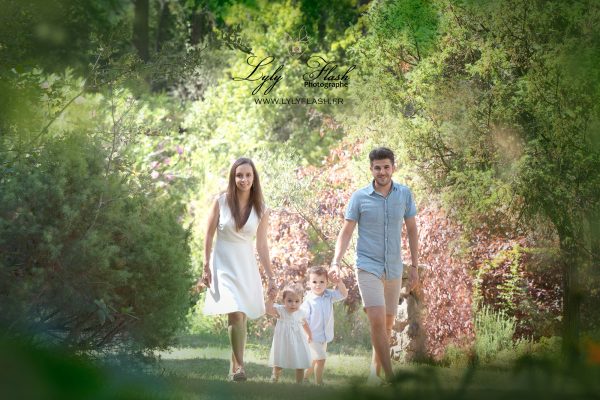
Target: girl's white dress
[(236, 284), (290, 344)]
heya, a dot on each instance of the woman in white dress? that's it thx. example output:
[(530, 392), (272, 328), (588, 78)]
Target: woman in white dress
[(230, 271)]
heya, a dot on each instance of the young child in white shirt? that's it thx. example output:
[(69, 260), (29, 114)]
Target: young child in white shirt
[(318, 306)]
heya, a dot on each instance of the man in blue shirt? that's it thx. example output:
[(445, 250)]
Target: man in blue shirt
[(379, 210)]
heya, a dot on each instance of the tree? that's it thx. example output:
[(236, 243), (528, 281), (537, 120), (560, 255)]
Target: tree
[(497, 107)]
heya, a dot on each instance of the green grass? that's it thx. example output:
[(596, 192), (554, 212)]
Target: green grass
[(210, 362), (200, 372)]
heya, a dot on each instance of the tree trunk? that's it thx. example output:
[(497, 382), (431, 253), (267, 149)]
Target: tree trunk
[(201, 26), (140, 28), (162, 34)]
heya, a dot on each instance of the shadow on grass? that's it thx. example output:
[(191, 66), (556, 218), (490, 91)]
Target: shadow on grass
[(212, 362), (40, 373), (202, 388), (207, 379), (216, 369), (530, 378)]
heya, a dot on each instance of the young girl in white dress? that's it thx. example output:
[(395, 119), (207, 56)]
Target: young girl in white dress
[(290, 345)]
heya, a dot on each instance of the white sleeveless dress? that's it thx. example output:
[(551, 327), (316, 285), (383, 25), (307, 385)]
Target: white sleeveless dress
[(236, 284), (290, 344)]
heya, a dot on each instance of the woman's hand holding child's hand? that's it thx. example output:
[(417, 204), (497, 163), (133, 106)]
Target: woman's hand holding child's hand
[(272, 294)]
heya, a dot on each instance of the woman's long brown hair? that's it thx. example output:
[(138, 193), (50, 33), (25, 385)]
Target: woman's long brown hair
[(255, 201)]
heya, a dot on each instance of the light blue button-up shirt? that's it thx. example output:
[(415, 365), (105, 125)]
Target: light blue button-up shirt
[(319, 314), (379, 218)]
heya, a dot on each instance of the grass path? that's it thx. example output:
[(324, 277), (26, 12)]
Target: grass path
[(200, 372), (212, 363)]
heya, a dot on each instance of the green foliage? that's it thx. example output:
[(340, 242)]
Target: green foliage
[(510, 290), (34, 372), (408, 27), (479, 107), (457, 357), (525, 283), (499, 117), (55, 34), (351, 330), (70, 228), (545, 349), (477, 198), (494, 331), (200, 324)]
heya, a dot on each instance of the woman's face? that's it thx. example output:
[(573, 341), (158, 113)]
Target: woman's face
[(244, 177)]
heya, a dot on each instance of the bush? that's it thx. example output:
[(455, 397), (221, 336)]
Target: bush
[(351, 331), (548, 347), (456, 357), (205, 325), (87, 259), (494, 332)]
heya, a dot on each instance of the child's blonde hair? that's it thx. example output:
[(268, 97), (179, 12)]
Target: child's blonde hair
[(294, 289)]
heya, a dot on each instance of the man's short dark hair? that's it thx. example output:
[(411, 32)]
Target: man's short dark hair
[(381, 153)]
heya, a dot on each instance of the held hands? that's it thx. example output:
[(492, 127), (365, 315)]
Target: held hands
[(272, 290), (412, 284), (307, 331), (206, 276), (272, 295), (334, 272), (335, 278), (413, 278)]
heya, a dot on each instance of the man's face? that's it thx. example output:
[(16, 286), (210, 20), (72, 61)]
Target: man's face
[(382, 171), (317, 283)]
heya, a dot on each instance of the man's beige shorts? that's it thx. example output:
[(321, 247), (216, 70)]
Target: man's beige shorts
[(378, 291), (318, 351)]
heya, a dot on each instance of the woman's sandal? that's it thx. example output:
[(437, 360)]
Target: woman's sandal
[(239, 375)]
